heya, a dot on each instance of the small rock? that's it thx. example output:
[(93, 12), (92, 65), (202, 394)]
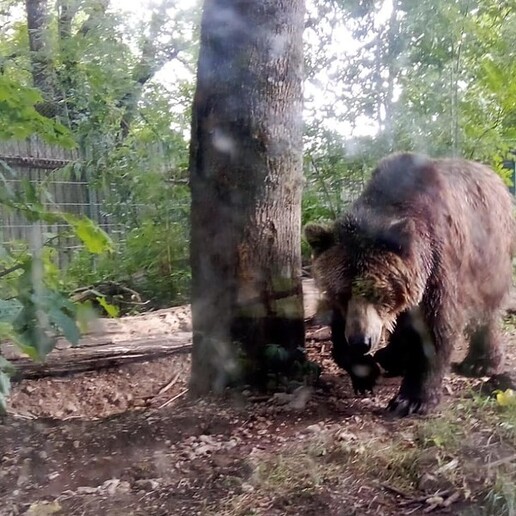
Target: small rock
[(70, 407), (147, 484), (432, 483), (247, 488), (231, 444), (204, 450), (76, 444), (313, 429), (301, 397), (435, 500), (115, 484), (43, 454), (345, 435), (86, 490), (282, 398), (43, 508)]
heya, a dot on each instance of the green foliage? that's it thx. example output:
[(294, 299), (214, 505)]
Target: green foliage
[(130, 133), (19, 118), (44, 312), (434, 77), (34, 311), (335, 172)]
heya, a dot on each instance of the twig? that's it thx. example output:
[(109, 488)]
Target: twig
[(7, 271), (422, 499), (182, 393), (137, 303), (28, 416), (325, 190), (441, 503), (396, 490), (499, 462), (258, 399), (452, 499), (169, 384)]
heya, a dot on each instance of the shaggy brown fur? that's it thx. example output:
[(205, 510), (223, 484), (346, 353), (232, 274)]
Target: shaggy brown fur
[(430, 239)]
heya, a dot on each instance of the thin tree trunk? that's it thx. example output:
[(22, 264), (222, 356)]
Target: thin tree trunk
[(40, 53), (393, 55), (246, 181)]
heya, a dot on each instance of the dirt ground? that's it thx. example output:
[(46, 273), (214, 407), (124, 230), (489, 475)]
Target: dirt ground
[(128, 440)]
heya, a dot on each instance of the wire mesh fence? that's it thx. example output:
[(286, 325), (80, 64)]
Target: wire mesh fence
[(30, 164)]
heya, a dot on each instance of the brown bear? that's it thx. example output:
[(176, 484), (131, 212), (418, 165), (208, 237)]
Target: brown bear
[(429, 240)]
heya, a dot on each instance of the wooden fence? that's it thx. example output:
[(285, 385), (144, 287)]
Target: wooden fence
[(35, 162)]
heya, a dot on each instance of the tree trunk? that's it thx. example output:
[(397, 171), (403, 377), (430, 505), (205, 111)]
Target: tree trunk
[(41, 62), (246, 181)]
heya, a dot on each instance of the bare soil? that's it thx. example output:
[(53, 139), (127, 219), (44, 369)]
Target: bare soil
[(129, 440)]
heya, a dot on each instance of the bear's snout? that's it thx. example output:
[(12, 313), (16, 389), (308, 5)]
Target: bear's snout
[(360, 344), (363, 326)]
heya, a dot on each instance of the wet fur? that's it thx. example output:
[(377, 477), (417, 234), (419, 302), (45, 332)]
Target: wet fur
[(434, 239)]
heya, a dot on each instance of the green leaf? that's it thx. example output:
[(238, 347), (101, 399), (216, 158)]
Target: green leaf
[(111, 310), (9, 309), (66, 324), (94, 238)]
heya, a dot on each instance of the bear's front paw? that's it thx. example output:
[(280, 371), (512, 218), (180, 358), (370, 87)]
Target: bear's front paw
[(406, 404), (364, 373)]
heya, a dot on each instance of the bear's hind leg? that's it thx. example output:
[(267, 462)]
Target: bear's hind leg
[(485, 354)]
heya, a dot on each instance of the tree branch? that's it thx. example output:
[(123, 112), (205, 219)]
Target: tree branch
[(98, 10), (8, 271), (151, 60)]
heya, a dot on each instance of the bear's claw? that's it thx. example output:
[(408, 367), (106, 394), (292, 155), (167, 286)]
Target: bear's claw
[(405, 405), (476, 368)]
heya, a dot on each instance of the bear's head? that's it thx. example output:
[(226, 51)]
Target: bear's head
[(368, 269)]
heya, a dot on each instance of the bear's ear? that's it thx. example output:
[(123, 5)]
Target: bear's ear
[(397, 237), (319, 237)]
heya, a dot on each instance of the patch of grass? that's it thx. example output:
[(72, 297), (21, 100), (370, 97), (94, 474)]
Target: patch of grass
[(443, 432), (390, 460), (468, 448), (297, 469), (501, 498)]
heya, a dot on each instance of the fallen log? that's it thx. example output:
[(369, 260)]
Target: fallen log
[(108, 354)]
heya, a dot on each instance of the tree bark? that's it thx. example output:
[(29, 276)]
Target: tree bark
[(40, 53), (246, 182)]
